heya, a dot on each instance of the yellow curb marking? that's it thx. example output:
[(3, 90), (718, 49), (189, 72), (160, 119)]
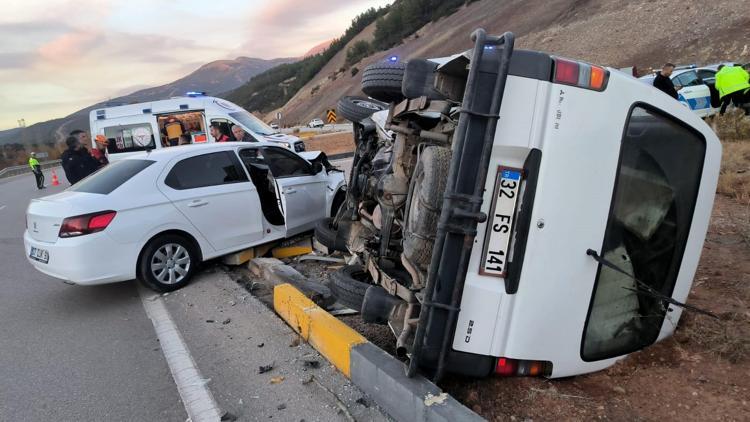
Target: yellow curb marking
[(329, 336)]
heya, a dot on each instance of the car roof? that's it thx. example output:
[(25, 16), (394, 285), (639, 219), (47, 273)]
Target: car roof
[(162, 154)]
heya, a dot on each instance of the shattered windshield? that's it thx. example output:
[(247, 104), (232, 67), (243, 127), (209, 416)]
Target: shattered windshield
[(655, 194)]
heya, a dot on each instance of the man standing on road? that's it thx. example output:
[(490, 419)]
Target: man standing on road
[(733, 84), (37, 169), (663, 82), (240, 135), (76, 161)]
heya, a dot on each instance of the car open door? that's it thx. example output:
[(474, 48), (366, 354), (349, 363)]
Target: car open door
[(303, 193), (214, 193), (694, 93)]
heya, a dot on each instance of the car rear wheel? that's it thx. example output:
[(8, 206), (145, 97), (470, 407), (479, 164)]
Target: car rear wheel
[(167, 263)]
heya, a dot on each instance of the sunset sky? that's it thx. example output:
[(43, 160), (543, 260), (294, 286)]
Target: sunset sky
[(57, 56)]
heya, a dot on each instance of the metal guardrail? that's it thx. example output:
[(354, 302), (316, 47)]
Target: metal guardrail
[(22, 169)]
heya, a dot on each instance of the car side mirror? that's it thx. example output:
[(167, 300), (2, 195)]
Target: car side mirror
[(317, 167)]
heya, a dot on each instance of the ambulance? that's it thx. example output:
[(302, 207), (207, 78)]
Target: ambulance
[(133, 128)]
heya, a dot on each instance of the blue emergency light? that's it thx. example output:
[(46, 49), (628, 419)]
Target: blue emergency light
[(393, 59), (195, 93)]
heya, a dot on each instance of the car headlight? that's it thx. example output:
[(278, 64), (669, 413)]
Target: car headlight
[(287, 145)]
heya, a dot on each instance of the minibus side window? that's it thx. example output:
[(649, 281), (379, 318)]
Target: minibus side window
[(657, 183), (129, 138)]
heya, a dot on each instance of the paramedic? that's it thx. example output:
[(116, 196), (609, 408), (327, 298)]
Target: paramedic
[(733, 86), (76, 161), (173, 128), (663, 82), (216, 133), (100, 152), (240, 135), (37, 169)]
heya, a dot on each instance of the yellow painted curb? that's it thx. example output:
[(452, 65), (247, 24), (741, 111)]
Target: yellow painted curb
[(329, 336)]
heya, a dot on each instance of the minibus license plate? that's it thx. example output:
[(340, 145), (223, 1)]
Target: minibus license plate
[(40, 255), (500, 224)]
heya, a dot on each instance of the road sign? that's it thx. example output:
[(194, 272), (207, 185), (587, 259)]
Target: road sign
[(278, 115), (331, 115)]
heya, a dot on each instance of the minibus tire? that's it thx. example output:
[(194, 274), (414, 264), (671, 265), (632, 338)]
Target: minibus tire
[(383, 80), (348, 287), (430, 177), (328, 236), (356, 109)]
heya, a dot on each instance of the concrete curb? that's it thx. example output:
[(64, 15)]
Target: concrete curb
[(375, 372)]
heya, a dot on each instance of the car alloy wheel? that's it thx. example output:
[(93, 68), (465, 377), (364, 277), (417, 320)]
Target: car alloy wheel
[(170, 264)]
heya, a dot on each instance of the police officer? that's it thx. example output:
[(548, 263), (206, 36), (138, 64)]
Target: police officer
[(733, 84), (37, 169), (76, 161)]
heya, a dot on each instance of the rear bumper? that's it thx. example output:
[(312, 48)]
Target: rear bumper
[(85, 260)]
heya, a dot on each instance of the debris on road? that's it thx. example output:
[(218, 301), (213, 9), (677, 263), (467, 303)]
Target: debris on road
[(265, 368), (311, 363), (226, 321), (210, 321), (229, 417), (262, 344), (282, 406), (276, 380)]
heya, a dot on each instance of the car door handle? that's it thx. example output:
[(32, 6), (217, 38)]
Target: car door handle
[(290, 191), (197, 203)]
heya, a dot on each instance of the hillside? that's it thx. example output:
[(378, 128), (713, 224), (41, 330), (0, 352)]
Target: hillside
[(619, 34), (213, 78)]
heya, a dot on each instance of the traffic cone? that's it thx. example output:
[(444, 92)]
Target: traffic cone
[(55, 182)]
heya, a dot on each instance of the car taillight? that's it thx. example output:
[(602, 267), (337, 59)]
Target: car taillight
[(580, 74), (515, 367), (86, 224)]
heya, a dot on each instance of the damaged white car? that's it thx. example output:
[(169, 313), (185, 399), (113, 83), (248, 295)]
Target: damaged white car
[(517, 213)]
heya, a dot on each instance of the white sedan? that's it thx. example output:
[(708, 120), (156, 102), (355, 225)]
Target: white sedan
[(156, 215)]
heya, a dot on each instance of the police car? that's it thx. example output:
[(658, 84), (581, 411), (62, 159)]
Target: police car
[(695, 88)]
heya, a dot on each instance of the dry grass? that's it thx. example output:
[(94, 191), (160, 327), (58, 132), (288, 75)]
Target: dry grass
[(333, 143), (733, 129), (728, 337), (732, 126)]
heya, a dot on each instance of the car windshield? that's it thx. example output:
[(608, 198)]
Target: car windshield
[(111, 176), (252, 123)]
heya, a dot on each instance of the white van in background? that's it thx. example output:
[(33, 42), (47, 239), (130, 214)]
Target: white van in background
[(159, 124)]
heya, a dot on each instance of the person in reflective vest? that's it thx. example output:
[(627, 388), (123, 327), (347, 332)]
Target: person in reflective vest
[(733, 84), (37, 169)]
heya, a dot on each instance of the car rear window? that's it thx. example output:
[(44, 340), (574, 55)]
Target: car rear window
[(111, 177), (660, 169)]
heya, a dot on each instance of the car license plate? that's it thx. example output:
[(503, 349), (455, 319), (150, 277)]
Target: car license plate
[(40, 255), (500, 222)]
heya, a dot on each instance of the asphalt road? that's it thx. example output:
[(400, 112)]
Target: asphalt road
[(72, 353), (68, 352)]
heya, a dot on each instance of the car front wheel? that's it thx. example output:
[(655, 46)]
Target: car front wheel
[(167, 263)]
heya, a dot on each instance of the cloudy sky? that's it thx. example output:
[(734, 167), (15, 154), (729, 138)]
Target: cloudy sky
[(57, 56)]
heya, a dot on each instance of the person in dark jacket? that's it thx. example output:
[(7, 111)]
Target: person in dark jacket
[(663, 82), (77, 163)]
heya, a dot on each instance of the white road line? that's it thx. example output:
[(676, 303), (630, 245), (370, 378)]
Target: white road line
[(197, 398)]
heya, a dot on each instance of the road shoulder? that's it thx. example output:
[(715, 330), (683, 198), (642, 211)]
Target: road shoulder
[(231, 335)]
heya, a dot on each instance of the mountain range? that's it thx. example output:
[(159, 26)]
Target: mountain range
[(213, 78)]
